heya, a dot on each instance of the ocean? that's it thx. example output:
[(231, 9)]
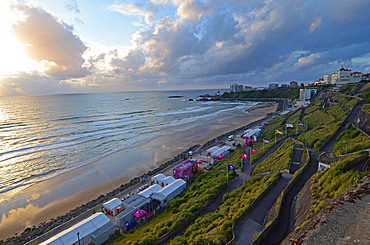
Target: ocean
[(45, 136)]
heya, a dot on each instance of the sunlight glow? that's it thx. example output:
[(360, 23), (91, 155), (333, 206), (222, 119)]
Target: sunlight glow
[(13, 57)]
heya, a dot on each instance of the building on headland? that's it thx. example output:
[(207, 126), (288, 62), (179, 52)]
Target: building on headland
[(365, 77), (293, 84), (284, 86), (247, 88), (307, 93), (343, 76), (273, 86), (236, 87)]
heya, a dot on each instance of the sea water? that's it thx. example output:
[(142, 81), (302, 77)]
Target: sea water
[(44, 136)]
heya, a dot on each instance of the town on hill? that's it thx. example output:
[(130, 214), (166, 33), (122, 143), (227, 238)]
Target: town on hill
[(284, 179)]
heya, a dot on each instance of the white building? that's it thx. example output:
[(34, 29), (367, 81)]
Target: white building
[(113, 206), (236, 87), (343, 76), (169, 192), (307, 93), (94, 230)]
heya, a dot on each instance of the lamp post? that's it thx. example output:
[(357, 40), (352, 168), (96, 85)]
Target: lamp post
[(78, 237)]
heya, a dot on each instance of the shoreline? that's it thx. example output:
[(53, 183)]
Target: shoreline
[(63, 212)]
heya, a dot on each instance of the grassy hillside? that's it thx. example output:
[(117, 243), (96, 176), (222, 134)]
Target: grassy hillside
[(330, 183), (325, 122), (216, 227), (178, 210), (279, 93), (351, 140), (278, 160)]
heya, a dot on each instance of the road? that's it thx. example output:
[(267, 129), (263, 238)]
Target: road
[(253, 222)]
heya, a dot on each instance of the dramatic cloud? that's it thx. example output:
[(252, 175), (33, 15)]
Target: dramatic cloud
[(202, 43), (253, 39), (51, 43)]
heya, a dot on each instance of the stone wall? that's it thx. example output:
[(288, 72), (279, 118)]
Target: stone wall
[(362, 122)]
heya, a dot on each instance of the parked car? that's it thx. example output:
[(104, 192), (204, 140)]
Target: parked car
[(231, 137)]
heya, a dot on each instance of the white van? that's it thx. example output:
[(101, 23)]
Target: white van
[(231, 137)]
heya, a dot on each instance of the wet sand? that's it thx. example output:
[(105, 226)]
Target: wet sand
[(57, 196)]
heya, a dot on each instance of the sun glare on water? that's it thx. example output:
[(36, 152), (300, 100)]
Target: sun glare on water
[(13, 58)]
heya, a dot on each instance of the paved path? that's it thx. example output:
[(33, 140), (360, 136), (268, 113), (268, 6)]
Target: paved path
[(350, 119), (253, 222), (214, 205), (283, 226)]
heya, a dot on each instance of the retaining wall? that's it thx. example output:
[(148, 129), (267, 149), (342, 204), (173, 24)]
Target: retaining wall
[(268, 229)]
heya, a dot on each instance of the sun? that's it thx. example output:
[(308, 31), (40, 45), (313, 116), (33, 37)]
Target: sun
[(13, 57)]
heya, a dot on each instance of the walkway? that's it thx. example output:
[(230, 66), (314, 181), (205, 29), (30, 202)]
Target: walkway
[(283, 226), (214, 205), (350, 119), (253, 222)]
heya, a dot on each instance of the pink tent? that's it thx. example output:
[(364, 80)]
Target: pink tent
[(140, 213)]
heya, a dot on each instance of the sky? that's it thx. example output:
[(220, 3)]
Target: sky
[(75, 46)]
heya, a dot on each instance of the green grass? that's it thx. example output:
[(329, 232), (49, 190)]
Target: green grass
[(366, 108), (233, 159), (351, 140), (327, 185), (216, 227), (278, 160), (349, 88), (180, 209), (280, 93), (317, 136)]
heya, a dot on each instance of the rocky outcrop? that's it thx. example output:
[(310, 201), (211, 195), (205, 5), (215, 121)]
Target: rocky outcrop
[(346, 220), (362, 122)]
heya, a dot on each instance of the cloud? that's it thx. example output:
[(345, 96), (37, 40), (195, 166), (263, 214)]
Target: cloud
[(72, 6), (200, 43), (315, 24), (191, 10), (50, 42), (33, 83), (134, 9)]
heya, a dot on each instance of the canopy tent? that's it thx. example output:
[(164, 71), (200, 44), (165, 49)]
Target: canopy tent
[(136, 201), (169, 192), (103, 234), (226, 148), (84, 229), (140, 213), (150, 190), (213, 149), (113, 206), (158, 178), (168, 180), (125, 216)]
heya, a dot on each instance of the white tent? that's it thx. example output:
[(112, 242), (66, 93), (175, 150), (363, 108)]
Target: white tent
[(125, 216), (213, 149), (150, 190), (103, 234), (158, 178), (114, 205), (168, 180), (84, 229), (170, 191)]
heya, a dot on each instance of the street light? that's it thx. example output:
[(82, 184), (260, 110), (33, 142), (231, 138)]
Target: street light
[(78, 237)]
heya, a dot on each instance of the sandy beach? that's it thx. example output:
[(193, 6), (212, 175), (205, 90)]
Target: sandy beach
[(43, 201)]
